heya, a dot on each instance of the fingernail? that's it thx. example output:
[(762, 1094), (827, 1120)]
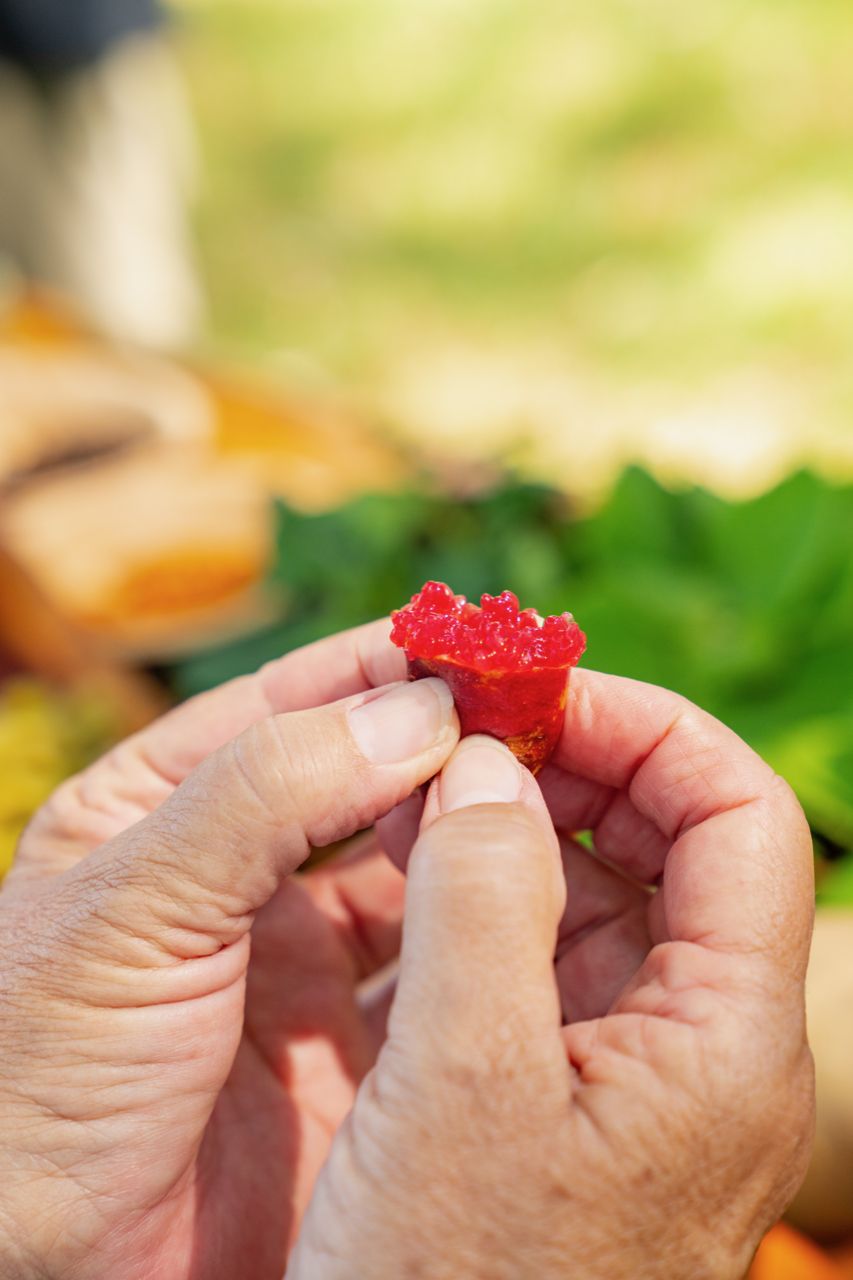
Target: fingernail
[(480, 771), (402, 723)]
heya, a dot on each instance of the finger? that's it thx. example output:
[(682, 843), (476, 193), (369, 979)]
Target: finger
[(299, 989), (327, 671), (603, 937), (677, 764), (485, 893), (187, 880), (738, 877), (141, 773), (311, 945), (362, 894), (622, 834), (375, 1000), (399, 829)]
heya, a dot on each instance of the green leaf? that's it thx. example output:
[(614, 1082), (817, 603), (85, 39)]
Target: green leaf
[(836, 886), (817, 759), (640, 522), (784, 549), (746, 608)]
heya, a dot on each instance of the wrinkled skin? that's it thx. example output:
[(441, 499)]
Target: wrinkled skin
[(183, 1035), (666, 1124), (169, 1082)]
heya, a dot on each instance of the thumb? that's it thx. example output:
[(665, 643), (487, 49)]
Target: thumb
[(484, 897), (190, 877)]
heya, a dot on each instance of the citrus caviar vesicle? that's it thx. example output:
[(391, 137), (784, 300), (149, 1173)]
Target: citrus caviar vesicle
[(507, 667)]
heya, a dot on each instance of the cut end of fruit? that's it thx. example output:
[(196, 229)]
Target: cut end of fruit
[(494, 637)]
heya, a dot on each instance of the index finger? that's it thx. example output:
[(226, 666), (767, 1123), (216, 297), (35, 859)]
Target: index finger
[(330, 669), (739, 873)]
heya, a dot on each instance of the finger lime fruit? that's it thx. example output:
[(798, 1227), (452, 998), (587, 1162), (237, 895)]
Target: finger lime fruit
[(506, 667)]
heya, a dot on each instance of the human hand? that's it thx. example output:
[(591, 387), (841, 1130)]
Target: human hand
[(167, 1100), (666, 1123)]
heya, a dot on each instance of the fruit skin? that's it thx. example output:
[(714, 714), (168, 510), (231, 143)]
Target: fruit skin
[(495, 635), (524, 709), (507, 668)]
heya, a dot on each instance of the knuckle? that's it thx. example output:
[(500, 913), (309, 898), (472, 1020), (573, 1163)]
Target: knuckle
[(500, 1058), (63, 813), (784, 798), (505, 841), (497, 1086), (292, 771), (270, 771), (306, 774), (262, 762)]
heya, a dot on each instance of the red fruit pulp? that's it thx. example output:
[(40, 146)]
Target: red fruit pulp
[(506, 667)]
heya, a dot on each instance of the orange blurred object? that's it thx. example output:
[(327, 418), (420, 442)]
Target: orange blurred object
[(314, 454), (785, 1254), (181, 581), (35, 639), (844, 1260), (40, 318)]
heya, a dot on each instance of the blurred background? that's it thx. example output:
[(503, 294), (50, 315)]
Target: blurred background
[(305, 301)]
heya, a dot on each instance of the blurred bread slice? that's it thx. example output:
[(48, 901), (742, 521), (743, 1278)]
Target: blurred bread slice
[(61, 407), (155, 552), (137, 495), (314, 453)]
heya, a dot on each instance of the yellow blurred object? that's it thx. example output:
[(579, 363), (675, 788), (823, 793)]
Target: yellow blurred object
[(68, 708), (45, 735)]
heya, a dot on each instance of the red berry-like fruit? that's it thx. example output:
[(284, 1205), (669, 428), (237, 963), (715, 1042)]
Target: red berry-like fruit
[(506, 667)]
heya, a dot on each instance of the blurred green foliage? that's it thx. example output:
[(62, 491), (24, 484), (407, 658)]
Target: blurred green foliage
[(746, 608)]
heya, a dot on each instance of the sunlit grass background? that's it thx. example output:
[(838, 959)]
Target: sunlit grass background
[(583, 231)]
